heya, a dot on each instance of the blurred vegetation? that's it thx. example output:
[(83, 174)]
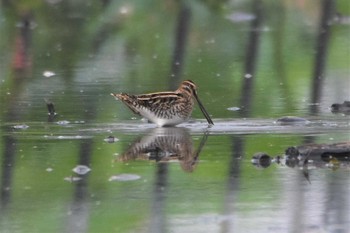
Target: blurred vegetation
[(98, 47)]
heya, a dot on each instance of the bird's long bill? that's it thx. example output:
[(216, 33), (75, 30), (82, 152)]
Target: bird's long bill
[(205, 113)]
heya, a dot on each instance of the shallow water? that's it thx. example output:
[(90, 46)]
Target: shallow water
[(96, 167), (213, 189)]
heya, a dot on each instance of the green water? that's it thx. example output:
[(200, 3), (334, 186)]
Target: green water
[(191, 178)]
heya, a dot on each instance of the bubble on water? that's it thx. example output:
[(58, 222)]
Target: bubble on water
[(81, 169), (124, 177), (233, 108), (48, 74), (24, 126)]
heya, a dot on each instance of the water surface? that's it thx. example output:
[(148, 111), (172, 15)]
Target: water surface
[(96, 167)]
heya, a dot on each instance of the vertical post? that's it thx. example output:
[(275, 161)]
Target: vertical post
[(181, 35), (251, 60), (321, 53)]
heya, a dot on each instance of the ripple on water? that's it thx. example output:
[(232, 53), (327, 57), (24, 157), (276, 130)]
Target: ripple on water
[(124, 177)]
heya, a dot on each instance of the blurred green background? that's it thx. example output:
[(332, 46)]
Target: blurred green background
[(94, 48)]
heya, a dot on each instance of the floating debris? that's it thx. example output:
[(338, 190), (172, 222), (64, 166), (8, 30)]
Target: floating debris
[(72, 178), (292, 120), (48, 74), (309, 156), (51, 108), (124, 177), (233, 108), (262, 160), (24, 126), (81, 169), (341, 108), (111, 139)]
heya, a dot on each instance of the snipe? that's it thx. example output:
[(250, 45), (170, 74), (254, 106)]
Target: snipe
[(165, 108)]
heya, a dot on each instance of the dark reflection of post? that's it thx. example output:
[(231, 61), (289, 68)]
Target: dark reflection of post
[(158, 219), (79, 210), (321, 54), (245, 103), (181, 35), (233, 182), (8, 161)]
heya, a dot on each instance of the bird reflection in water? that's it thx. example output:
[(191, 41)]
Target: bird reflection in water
[(166, 144)]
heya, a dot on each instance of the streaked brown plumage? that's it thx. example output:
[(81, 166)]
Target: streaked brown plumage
[(165, 108)]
